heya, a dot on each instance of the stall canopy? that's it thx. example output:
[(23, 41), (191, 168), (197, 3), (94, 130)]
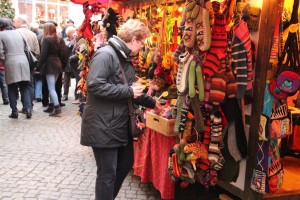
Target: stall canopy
[(97, 1)]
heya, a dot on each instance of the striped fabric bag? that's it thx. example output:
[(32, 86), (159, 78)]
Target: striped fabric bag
[(280, 121)]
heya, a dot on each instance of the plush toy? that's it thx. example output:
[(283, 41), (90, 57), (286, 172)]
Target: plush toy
[(197, 150), (154, 59), (158, 84), (167, 61), (110, 22)]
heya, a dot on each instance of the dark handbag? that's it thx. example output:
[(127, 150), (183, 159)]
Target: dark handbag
[(136, 116), (32, 60), (136, 122)]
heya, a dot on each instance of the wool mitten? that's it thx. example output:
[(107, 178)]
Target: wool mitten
[(275, 42), (204, 164), (179, 50), (182, 73), (242, 33), (203, 32), (217, 49), (213, 152), (179, 105), (200, 83), (216, 135), (232, 143), (183, 119), (189, 32), (218, 88), (216, 130), (188, 167), (239, 64), (216, 6), (207, 132), (187, 132), (220, 23), (181, 158), (199, 121), (231, 86), (192, 79), (207, 86), (218, 165)]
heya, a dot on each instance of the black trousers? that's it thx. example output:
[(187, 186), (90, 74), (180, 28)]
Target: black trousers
[(45, 91), (25, 93), (113, 165)]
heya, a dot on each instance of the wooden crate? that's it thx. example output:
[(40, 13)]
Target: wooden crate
[(160, 124)]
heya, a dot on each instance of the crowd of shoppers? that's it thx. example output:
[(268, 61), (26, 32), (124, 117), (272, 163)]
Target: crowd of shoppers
[(48, 45)]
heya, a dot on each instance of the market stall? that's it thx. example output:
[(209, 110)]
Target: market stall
[(223, 76)]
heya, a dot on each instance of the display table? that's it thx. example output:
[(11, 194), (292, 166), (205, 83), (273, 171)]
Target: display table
[(151, 161)]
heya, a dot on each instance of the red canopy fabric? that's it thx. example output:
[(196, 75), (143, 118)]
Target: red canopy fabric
[(95, 1)]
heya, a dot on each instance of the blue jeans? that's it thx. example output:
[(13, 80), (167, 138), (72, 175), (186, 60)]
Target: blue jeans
[(13, 93), (31, 85), (51, 80), (113, 165), (3, 86), (38, 88)]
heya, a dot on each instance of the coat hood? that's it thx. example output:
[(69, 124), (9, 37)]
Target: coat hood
[(120, 47)]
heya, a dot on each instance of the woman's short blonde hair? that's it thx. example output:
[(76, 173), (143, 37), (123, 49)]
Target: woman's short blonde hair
[(133, 28)]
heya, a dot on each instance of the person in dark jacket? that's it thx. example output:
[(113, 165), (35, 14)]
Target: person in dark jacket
[(50, 64), (70, 41), (58, 84), (106, 115), (74, 59)]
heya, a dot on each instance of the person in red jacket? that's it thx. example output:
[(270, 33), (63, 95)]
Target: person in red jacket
[(3, 85)]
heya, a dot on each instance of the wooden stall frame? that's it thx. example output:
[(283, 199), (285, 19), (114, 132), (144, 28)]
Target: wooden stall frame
[(267, 26)]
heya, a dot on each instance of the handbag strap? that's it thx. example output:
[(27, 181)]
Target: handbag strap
[(129, 102), (130, 105), (26, 46)]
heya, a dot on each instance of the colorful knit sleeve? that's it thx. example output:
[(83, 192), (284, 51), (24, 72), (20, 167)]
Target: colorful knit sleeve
[(239, 64)]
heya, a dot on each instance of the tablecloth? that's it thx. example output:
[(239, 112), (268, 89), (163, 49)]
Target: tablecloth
[(151, 161)]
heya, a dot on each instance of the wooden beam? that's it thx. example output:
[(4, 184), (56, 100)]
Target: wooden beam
[(268, 17)]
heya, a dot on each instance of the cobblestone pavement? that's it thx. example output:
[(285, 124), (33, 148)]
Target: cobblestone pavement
[(41, 158)]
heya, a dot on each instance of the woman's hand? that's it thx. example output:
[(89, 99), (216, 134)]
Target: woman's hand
[(158, 108), (137, 90)]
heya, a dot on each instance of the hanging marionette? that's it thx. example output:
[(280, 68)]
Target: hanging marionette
[(110, 22)]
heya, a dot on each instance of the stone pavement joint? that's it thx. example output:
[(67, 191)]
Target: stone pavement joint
[(41, 158)]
